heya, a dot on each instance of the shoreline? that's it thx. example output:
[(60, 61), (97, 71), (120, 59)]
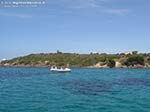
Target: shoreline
[(46, 66)]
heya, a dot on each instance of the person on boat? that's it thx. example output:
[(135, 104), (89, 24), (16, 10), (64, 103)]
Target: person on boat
[(63, 67), (53, 67)]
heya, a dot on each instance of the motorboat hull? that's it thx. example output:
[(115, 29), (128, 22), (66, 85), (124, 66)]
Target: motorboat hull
[(61, 70)]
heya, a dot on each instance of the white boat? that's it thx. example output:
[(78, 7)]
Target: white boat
[(55, 69)]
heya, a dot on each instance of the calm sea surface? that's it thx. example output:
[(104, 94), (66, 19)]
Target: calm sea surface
[(82, 90)]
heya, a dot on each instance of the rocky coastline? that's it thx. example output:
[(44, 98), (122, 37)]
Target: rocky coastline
[(98, 66), (134, 60)]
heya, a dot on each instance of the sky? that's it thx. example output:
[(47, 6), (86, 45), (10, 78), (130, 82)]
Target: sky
[(80, 26)]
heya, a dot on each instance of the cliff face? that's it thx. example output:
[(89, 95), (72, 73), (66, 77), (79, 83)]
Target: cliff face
[(118, 64), (82, 60)]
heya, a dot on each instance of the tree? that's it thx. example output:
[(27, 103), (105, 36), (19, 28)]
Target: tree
[(111, 63), (135, 52), (148, 60), (134, 60), (58, 52)]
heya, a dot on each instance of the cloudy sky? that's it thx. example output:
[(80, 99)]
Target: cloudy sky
[(80, 26)]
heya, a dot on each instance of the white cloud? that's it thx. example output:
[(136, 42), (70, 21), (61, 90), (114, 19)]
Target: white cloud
[(100, 6), (86, 4), (120, 12), (78, 4), (70, 6), (18, 15)]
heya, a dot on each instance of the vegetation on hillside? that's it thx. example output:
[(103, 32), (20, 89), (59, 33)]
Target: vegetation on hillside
[(79, 60)]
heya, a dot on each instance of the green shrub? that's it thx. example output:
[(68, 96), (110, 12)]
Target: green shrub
[(134, 60), (110, 63)]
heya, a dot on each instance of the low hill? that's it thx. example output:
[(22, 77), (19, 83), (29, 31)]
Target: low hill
[(81, 60)]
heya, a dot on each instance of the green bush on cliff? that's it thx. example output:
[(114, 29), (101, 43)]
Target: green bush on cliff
[(134, 60), (148, 60), (110, 63)]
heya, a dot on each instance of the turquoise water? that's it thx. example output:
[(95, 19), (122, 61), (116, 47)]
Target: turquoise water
[(82, 90)]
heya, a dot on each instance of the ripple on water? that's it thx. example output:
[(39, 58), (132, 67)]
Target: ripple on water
[(82, 90), (135, 81), (84, 87)]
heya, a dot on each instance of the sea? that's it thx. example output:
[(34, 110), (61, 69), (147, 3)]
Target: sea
[(37, 89)]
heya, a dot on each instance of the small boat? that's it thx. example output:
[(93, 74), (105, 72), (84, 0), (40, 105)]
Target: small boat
[(62, 69)]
